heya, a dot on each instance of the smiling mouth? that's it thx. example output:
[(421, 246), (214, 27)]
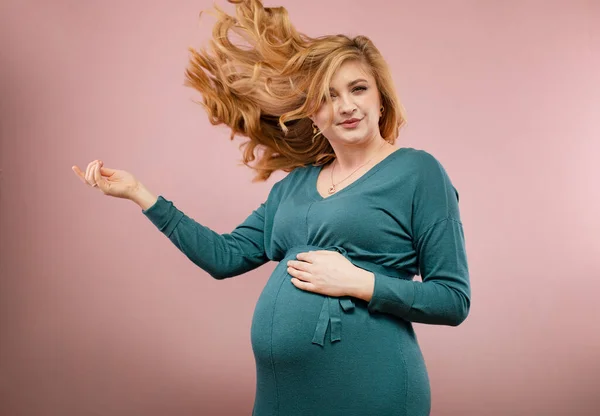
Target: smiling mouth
[(352, 123)]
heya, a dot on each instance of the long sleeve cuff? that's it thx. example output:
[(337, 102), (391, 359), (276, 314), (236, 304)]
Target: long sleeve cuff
[(435, 302), (164, 215), (392, 295)]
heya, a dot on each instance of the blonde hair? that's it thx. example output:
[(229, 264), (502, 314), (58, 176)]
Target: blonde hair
[(268, 90)]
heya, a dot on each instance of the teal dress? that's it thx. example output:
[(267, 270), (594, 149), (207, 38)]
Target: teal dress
[(342, 356)]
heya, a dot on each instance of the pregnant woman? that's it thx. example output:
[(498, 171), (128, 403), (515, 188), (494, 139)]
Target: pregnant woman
[(354, 220)]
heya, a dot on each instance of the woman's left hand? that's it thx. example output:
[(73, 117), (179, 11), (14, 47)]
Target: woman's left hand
[(328, 273)]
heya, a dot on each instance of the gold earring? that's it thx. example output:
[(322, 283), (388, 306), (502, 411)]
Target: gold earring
[(316, 132)]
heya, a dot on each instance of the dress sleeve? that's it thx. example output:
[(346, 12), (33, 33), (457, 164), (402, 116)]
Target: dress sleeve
[(220, 255), (444, 295)]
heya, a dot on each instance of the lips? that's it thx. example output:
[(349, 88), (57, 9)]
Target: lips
[(350, 121)]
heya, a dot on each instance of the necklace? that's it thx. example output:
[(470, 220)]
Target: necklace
[(333, 185)]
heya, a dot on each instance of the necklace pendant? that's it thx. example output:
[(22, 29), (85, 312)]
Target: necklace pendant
[(331, 189)]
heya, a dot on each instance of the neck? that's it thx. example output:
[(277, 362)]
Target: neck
[(350, 158)]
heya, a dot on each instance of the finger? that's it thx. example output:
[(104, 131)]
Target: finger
[(298, 274), (89, 173), (107, 171), (79, 173), (302, 285), (301, 266), (88, 170), (98, 177), (93, 168), (308, 256), (295, 264)]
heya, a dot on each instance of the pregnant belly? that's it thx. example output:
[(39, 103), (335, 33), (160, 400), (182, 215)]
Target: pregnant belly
[(306, 343)]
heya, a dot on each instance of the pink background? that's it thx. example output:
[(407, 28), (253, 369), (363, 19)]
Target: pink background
[(101, 315)]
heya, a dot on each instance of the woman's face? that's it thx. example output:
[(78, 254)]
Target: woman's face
[(356, 106)]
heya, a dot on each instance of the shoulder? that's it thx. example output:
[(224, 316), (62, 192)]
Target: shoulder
[(291, 181), (295, 176), (421, 161), (424, 165), (428, 173)]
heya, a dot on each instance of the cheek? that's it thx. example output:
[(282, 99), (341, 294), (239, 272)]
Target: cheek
[(321, 118), (374, 112), (373, 105), (371, 101)]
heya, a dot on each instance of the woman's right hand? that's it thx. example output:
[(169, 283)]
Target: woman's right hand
[(113, 182)]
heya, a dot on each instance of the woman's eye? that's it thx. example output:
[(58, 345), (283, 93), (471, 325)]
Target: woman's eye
[(360, 89)]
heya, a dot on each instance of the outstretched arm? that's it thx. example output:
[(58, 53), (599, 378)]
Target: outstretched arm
[(220, 255)]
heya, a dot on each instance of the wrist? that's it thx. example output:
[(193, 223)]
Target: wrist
[(143, 197), (366, 285)]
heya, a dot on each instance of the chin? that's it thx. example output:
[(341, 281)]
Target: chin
[(356, 138)]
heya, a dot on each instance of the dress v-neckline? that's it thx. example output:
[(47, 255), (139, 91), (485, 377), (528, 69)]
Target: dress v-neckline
[(317, 170)]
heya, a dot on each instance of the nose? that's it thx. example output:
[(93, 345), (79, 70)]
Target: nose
[(346, 105)]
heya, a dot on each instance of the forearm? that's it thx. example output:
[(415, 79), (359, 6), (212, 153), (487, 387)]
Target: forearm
[(220, 255), (439, 301), (143, 197)]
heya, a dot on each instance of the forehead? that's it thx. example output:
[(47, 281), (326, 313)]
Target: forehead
[(349, 71)]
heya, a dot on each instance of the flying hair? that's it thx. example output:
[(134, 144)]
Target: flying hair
[(266, 88)]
